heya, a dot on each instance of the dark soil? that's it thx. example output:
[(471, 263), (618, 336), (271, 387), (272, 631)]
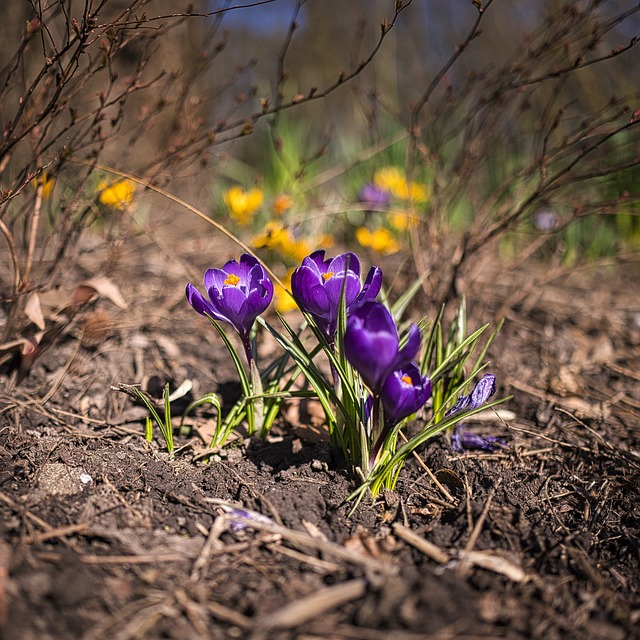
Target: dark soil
[(104, 536)]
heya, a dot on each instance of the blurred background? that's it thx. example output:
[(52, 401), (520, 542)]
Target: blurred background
[(432, 135)]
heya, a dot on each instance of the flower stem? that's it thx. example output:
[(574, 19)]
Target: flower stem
[(248, 351), (379, 431)]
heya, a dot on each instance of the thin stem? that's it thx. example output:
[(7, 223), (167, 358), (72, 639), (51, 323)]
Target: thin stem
[(248, 351), (33, 229), (14, 257)]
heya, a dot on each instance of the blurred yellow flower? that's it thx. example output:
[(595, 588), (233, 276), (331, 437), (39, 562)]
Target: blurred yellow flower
[(283, 300), (402, 220), (380, 240), (418, 192), (46, 182), (272, 237), (243, 204), (326, 241), (281, 240), (282, 203), (392, 179), (117, 194), (298, 250)]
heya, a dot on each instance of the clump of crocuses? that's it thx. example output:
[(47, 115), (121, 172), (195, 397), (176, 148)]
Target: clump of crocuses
[(378, 378)]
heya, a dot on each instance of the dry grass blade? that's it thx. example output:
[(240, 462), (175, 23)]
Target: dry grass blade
[(304, 540), (424, 546)]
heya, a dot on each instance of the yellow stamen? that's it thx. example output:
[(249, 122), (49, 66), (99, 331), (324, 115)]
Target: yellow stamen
[(407, 379), (327, 275), (232, 279)]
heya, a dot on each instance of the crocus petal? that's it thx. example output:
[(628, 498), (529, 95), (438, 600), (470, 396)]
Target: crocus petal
[(461, 404), (483, 390), (241, 519), (349, 282), (255, 278), (371, 344), (214, 280), (317, 259), (308, 290), (230, 303), (248, 269), (371, 355), (408, 352), (374, 196), (371, 287), (256, 302), (345, 262), (195, 299)]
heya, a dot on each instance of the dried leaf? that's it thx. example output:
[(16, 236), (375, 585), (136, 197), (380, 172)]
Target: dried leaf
[(25, 346), (33, 310), (104, 287)]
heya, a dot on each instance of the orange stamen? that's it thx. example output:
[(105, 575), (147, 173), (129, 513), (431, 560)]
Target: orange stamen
[(407, 379), (327, 275), (232, 279)]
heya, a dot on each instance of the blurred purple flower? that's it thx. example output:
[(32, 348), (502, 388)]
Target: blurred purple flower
[(237, 294), (372, 344), (317, 285), (374, 197), (545, 219), (242, 519), (462, 440)]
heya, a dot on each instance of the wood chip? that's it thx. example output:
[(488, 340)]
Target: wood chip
[(497, 564)]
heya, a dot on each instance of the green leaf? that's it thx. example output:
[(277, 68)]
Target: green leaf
[(167, 434), (167, 427), (221, 435)]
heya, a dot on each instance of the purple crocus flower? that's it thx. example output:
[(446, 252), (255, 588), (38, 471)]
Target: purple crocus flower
[(374, 197), (404, 392), (317, 286), (237, 294), (372, 344), (483, 390)]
